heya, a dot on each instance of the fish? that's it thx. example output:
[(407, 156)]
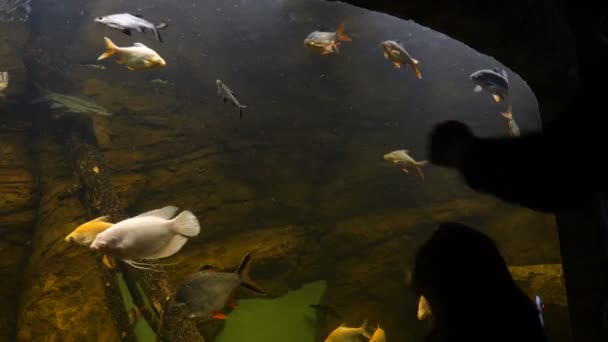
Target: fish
[(495, 81), (424, 309), (540, 306), (136, 57), (95, 66), (3, 82), (379, 335), (402, 159), (204, 294), (326, 42), (126, 23), (152, 235), (159, 81), (345, 334), (393, 50), (229, 95), (324, 309), (513, 129), (69, 104), (86, 233)]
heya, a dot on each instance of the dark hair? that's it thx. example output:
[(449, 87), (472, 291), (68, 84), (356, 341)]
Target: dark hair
[(472, 295)]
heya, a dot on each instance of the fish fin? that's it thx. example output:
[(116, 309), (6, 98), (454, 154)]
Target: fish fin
[(131, 68), (397, 65), (420, 172), (110, 49), (416, 69), (509, 113), (496, 98), (241, 108), (109, 262), (415, 61), (404, 170), (341, 34), (101, 218), (157, 35), (385, 55), (186, 224), (140, 266), (477, 89), (126, 31), (137, 15), (219, 315), (162, 25), (139, 44), (173, 246), (243, 272), (166, 213)]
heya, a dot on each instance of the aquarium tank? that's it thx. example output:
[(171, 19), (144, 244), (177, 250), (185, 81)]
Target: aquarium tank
[(283, 144)]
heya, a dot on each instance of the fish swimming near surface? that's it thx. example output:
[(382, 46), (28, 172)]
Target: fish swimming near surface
[(424, 309), (205, 293), (3, 82), (393, 50), (379, 335), (126, 23), (402, 159), (70, 104), (495, 81), (229, 95), (86, 233), (136, 57), (345, 334), (326, 42), (151, 235), (512, 125)]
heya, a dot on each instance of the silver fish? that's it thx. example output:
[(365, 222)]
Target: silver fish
[(126, 22), (205, 293), (151, 235), (326, 42), (395, 51), (70, 104), (512, 125), (539, 307), (229, 95), (3, 82), (494, 81)]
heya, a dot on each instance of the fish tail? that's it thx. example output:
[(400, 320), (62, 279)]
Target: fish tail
[(241, 108), (110, 49), (157, 35), (341, 34), (416, 68), (187, 224), (243, 273), (162, 25), (364, 329), (509, 113)]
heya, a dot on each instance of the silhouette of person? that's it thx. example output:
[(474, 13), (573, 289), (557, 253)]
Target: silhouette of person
[(469, 289)]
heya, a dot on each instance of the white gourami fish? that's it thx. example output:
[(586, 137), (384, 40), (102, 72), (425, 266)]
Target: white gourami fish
[(126, 22), (345, 334), (151, 235), (394, 51), (402, 159), (136, 57)]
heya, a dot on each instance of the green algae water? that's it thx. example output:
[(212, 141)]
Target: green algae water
[(299, 180)]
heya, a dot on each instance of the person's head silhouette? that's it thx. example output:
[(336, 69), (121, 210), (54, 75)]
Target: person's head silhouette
[(470, 291)]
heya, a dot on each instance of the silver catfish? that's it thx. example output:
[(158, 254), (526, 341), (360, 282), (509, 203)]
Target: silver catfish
[(205, 293), (151, 235), (70, 104), (229, 95), (126, 22), (494, 81)]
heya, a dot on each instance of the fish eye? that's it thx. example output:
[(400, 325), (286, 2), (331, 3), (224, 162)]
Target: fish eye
[(99, 18)]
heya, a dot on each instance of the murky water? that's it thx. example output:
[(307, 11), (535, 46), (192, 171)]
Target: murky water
[(300, 178)]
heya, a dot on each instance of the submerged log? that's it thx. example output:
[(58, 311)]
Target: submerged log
[(100, 199)]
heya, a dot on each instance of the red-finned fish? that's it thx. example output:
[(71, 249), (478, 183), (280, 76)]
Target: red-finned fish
[(393, 50), (326, 42), (205, 293), (402, 159)]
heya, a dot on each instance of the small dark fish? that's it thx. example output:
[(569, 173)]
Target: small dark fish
[(326, 310), (229, 95), (126, 22), (205, 293)]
